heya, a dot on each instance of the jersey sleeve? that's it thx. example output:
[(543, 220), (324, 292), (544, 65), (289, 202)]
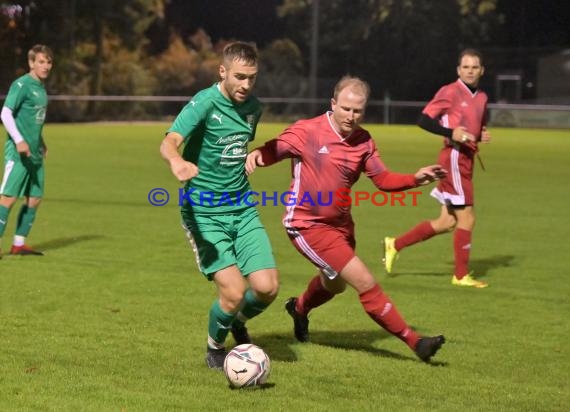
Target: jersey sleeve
[(16, 96), (384, 179), (440, 103), (289, 143), (373, 164), (191, 118)]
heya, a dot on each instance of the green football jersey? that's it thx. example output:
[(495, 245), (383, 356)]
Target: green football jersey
[(27, 98), (216, 132)]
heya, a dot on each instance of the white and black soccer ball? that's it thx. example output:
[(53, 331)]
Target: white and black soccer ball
[(247, 365)]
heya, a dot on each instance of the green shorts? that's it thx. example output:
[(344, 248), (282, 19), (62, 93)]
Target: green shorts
[(220, 241), (22, 179)]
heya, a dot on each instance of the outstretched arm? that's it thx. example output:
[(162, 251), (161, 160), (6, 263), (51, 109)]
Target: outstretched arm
[(389, 181), (287, 145), (429, 174)]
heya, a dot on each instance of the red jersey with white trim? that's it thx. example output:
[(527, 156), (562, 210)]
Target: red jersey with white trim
[(324, 162), (456, 105)]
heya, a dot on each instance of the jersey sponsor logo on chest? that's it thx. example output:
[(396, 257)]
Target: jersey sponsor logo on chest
[(234, 137), (234, 153)]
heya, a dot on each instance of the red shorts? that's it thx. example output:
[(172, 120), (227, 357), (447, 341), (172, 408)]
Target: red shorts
[(328, 248), (457, 187)]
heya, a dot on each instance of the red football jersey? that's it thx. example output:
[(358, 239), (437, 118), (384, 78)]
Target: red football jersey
[(322, 163), (455, 105)]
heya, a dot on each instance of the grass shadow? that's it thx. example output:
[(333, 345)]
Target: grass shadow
[(65, 242), (479, 266), (482, 266), (417, 273), (362, 341), (355, 341), (279, 346)]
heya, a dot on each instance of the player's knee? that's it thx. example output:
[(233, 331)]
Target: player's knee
[(267, 292), (450, 223), (231, 303), (34, 203), (336, 288), (7, 201), (267, 295), (467, 221), (445, 224)]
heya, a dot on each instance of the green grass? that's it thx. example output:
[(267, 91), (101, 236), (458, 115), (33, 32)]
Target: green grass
[(113, 318)]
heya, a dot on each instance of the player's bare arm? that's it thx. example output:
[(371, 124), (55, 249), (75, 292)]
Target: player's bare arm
[(23, 148), (180, 168), (10, 124), (253, 160), (459, 135), (429, 174), (485, 135), (462, 136)]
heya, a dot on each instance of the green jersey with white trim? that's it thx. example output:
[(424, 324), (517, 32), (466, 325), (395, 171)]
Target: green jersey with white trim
[(27, 98), (216, 132)]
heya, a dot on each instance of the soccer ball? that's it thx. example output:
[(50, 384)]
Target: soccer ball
[(247, 365)]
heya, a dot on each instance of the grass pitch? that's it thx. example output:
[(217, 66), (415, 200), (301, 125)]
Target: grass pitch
[(114, 317)]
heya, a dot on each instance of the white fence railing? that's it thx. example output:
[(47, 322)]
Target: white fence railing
[(382, 111)]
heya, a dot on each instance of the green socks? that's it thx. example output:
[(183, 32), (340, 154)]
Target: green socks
[(250, 309), (26, 218), (4, 212), (219, 325)]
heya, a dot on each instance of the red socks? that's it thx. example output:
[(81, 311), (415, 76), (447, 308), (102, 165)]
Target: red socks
[(461, 244), (422, 231), (314, 296), (381, 309), (462, 247), (375, 303)]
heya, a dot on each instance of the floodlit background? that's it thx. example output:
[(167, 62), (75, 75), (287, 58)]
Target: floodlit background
[(151, 55)]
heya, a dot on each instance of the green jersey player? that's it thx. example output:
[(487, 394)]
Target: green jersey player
[(23, 116), (231, 246)]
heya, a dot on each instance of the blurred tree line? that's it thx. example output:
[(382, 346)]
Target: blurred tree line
[(404, 48)]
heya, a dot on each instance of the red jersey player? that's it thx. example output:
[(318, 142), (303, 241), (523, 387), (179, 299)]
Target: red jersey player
[(456, 112), (329, 152)]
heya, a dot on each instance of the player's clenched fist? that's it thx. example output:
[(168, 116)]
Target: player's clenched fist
[(182, 169)]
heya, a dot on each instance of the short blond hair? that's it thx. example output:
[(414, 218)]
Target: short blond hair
[(37, 49), (356, 84)]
